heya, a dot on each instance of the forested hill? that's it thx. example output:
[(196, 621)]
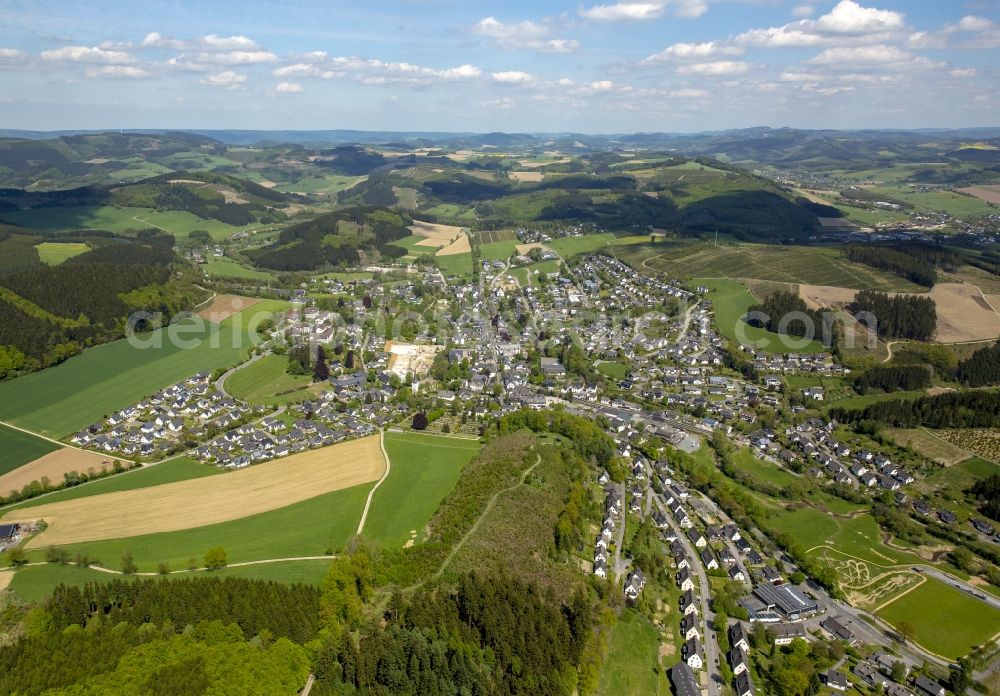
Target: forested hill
[(48, 313), (335, 238)]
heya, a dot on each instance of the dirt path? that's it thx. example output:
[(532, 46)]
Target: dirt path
[(371, 493)]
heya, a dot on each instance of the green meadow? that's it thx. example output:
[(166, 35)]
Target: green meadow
[(54, 253), (266, 382), (731, 300), (178, 222), (424, 470), (63, 399), (19, 448), (222, 267)]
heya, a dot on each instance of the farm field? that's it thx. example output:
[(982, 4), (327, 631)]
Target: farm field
[(498, 251), (985, 443), (731, 301), (63, 399), (167, 471), (222, 267), (20, 448), (54, 253), (331, 183), (424, 470), (868, 399), (265, 382), (35, 583), (571, 246), (183, 505), (415, 245), (786, 264), (929, 445), (491, 236), (310, 527), (990, 194), (633, 658), (945, 621), (950, 202), (53, 465), (455, 264)]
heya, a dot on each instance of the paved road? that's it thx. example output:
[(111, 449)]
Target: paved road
[(220, 384), (715, 684), (385, 475)]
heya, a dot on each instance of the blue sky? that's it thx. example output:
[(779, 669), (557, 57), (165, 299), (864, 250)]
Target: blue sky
[(445, 65)]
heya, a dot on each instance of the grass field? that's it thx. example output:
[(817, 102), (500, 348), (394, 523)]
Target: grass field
[(54, 253), (173, 507), (222, 267), (615, 370), (63, 399), (867, 399), (413, 246), (491, 251), (786, 264), (631, 665), (956, 204), (307, 528), (264, 381), (19, 448), (526, 275), (455, 264), (731, 300), (946, 621), (424, 470), (168, 471), (765, 471), (331, 183), (572, 246), (178, 222), (927, 444), (35, 583)]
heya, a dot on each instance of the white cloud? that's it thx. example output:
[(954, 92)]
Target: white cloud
[(12, 55), (86, 54), (225, 43), (299, 69), (372, 71), (226, 80), (234, 57), (289, 87), (963, 72), (854, 55), (686, 51), (624, 11), (462, 72), (155, 39), (718, 67), (688, 93), (802, 11), (791, 76), (602, 85), (527, 34), (847, 19), (515, 76), (117, 71), (973, 23)]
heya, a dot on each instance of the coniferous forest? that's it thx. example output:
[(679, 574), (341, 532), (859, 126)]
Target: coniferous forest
[(900, 316)]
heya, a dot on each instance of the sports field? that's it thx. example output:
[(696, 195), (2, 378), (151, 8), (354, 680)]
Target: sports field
[(195, 503), (63, 399), (19, 448), (424, 470), (266, 382), (945, 621), (167, 471), (54, 253), (731, 300)]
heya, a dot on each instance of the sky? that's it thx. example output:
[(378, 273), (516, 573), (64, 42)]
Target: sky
[(591, 66)]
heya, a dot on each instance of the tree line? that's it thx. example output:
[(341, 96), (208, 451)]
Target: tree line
[(900, 316), (775, 313), (962, 409), (893, 378), (982, 368), (906, 265)]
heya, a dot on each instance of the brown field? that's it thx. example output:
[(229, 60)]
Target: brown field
[(930, 446), (5, 577), (53, 465), (459, 246), (964, 313), (523, 249), (527, 176), (528, 164), (199, 502), (440, 236), (225, 306), (990, 193)]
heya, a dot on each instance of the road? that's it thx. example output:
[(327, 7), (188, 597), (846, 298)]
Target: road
[(385, 475), (220, 384), (707, 615), (971, 590)]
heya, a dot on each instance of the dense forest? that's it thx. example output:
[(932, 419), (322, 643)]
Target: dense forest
[(893, 261), (964, 409), (335, 239), (893, 378), (982, 368), (48, 313), (987, 491), (900, 316), (786, 313), (165, 637)]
